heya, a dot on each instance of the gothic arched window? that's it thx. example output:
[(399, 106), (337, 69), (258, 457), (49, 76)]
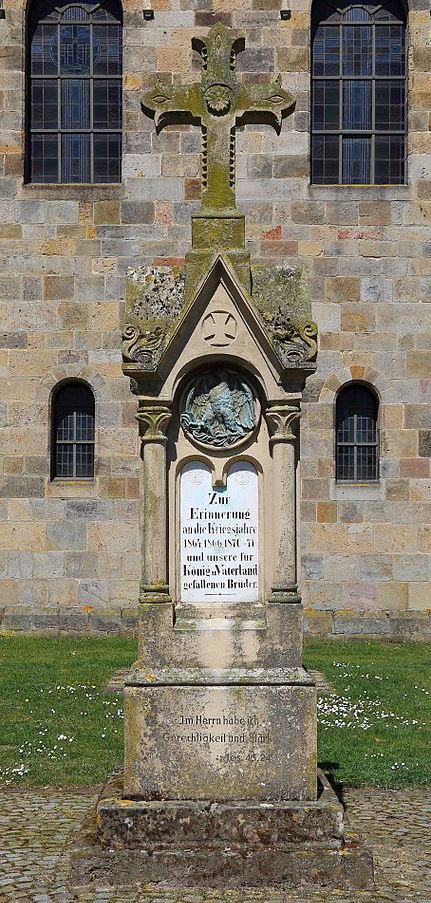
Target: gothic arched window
[(357, 457), (73, 431), (358, 93), (74, 92)]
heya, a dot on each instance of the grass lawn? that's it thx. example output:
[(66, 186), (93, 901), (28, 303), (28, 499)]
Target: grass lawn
[(59, 727)]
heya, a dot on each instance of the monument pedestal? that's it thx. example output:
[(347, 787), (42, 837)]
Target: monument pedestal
[(220, 734), (220, 782), (189, 843)]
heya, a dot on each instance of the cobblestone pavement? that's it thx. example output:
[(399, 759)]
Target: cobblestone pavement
[(37, 828)]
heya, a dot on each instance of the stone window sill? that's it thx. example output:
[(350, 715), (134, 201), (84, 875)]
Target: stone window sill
[(360, 192), (352, 491), (71, 191), (82, 488)]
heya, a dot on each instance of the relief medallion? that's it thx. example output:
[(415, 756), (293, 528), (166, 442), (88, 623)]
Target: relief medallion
[(220, 409)]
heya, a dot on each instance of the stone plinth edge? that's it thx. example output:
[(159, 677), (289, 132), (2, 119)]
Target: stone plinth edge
[(221, 677), (184, 843)]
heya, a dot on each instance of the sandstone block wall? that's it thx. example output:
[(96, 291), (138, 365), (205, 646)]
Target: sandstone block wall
[(69, 552)]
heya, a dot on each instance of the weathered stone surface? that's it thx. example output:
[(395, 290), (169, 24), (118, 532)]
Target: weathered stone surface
[(191, 824), (220, 742), (224, 844)]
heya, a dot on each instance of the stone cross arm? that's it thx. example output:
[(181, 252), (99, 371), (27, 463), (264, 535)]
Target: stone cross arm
[(164, 102), (218, 103)]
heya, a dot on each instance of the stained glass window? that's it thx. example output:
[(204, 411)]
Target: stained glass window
[(73, 432), (358, 93), (74, 96), (356, 435)]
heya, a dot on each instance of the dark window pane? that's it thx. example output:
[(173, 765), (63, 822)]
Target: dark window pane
[(326, 51), (107, 156), (356, 434), (44, 50), (44, 158), (75, 14), (389, 105), (356, 161), (44, 103), (364, 85), (107, 104), (66, 426), (357, 14), (75, 103), (345, 463), (64, 461), (75, 156), (389, 163), (366, 463), (390, 12), (390, 50), (107, 50), (73, 412), (84, 460), (326, 105), (346, 428), (325, 157), (75, 49), (109, 11), (357, 50), (84, 426), (357, 104)]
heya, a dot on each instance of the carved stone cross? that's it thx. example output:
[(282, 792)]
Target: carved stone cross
[(218, 103)]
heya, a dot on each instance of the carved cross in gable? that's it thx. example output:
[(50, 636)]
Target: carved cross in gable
[(218, 103)]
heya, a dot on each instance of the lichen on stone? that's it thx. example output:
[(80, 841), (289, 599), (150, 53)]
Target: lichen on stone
[(281, 296), (154, 293), (154, 299)]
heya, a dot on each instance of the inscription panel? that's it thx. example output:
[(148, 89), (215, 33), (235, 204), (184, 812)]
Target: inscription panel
[(221, 742), (219, 535)]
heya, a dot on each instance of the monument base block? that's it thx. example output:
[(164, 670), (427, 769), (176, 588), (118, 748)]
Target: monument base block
[(226, 735), (224, 844)]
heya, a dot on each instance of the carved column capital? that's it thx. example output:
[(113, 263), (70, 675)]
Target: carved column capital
[(153, 422), (280, 420)]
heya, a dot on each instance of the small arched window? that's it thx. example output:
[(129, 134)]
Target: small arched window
[(73, 431), (358, 93), (74, 92), (357, 457)]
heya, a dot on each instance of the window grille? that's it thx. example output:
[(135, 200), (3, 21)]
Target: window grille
[(73, 432), (74, 92), (358, 93), (356, 435)]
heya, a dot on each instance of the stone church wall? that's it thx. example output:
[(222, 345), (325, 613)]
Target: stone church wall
[(69, 554)]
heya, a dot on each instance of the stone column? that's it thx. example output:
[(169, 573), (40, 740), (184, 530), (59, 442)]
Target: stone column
[(153, 422), (280, 420)]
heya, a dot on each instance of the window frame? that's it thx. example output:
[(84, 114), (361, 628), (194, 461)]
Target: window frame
[(55, 442), (373, 78), (32, 20), (357, 444)]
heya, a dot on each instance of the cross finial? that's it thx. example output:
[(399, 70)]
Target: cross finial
[(218, 103)]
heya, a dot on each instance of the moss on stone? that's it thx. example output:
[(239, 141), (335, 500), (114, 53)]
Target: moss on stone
[(281, 292)]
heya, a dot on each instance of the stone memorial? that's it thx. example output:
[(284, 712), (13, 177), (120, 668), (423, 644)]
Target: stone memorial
[(220, 783)]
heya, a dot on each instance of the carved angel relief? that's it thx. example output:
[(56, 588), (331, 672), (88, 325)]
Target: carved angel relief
[(219, 409)]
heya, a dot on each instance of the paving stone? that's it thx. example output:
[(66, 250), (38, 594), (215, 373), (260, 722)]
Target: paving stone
[(39, 828)]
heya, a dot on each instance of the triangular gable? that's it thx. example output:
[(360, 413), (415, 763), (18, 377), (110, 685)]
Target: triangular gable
[(220, 273)]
